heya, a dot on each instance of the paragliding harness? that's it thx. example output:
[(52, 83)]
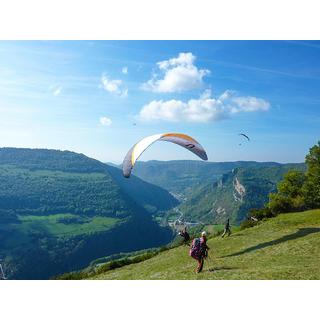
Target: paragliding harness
[(185, 235), (198, 250)]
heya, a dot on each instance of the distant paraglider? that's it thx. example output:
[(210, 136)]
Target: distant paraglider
[(245, 136), (180, 139), (242, 134)]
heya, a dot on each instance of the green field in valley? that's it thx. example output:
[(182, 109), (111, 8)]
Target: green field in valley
[(67, 224), (54, 225)]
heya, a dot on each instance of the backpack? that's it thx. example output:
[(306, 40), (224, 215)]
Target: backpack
[(195, 249)]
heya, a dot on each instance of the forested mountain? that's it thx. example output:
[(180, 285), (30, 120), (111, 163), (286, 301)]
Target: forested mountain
[(234, 194), (181, 176), (153, 198), (59, 210)]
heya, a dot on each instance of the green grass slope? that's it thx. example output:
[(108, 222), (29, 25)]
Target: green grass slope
[(285, 247)]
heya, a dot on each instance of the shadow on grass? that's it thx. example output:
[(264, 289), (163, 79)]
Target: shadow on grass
[(300, 233), (221, 268)]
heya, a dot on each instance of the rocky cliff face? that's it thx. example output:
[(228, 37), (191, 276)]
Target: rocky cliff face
[(239, 190), (234, 194)]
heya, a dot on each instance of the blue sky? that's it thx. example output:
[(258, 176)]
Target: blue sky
[(86, 96)]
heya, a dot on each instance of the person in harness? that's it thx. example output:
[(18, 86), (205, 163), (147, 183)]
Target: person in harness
[(227, 229), (199, 250), (185, 235)]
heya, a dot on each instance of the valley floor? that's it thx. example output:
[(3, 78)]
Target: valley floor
[(285, 247)]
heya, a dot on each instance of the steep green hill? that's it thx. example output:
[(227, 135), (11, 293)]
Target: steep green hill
[(150, 196), (36, 160), (233, 195), (60, 210), (284, 247), (182, 176)]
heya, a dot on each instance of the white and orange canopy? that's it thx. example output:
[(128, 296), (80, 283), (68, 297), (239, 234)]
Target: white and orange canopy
[(181, 139)]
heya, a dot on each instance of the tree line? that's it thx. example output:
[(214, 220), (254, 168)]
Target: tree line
[(298, 191)]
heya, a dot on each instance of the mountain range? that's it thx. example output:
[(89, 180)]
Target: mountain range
[(181, 177), (59, 210)]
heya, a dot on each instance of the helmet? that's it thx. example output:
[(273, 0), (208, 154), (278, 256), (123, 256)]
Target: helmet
[(203, 234)]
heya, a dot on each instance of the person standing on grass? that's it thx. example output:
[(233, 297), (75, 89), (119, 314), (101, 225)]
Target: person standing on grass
[(199, 250), (227, 229), (185, 235)]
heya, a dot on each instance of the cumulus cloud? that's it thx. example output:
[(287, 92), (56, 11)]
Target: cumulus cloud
[(113, 86), (105, 121), (124, 70), (204, 109), (176, 75), (250, 104)]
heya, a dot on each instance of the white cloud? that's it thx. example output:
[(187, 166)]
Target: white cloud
[(124, 70), (56, 90), (113, 86), (250, 104), (105, 121), (179, 74), (204, 109)]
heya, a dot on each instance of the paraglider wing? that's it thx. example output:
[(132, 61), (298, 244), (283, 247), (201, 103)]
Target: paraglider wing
[(242, 134), (182, 140), (187, 142), (135, 152)]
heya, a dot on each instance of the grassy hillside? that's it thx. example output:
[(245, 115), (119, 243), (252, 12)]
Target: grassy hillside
[(284, 247)]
